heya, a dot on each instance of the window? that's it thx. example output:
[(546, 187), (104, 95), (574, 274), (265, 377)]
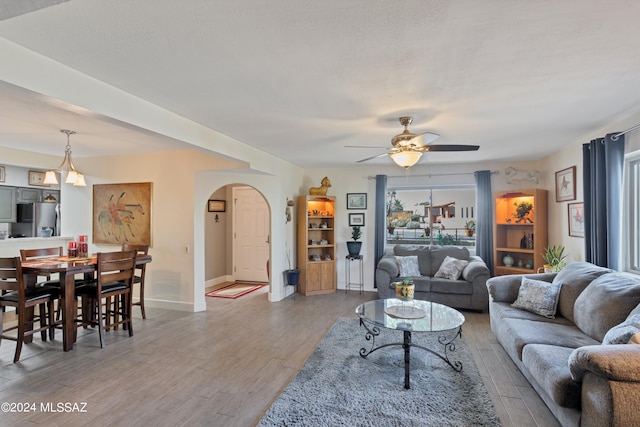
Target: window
[(440, 216), (631, 220)]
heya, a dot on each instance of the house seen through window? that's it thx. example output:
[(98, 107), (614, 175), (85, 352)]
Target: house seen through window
[(436, 216)]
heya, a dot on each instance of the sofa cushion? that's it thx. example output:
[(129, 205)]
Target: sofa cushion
[(422, 252), (503, 310), (538, 297), (514, 334), (447, 286), (575, 277), (439, 253), (549, 365), (623, 332), (451, 268), (606, 302), (422, 284), (408, 265)]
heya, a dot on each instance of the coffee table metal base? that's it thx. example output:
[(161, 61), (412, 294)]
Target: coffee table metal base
[(447, 343)]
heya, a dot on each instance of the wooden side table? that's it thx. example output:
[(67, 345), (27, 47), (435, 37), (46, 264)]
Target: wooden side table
[(347, 268)]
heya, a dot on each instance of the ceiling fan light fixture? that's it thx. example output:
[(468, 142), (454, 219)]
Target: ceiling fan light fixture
[(406, 159)]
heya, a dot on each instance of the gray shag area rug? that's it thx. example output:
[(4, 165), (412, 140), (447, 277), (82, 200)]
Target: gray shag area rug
[(337, 387)]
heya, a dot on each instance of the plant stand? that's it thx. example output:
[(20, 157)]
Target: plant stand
[(347, 269)]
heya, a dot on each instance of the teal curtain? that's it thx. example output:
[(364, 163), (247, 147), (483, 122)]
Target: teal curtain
[(380, 220), (602, 173), (484, 217)]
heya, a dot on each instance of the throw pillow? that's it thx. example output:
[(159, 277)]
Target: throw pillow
[(408, 266), (623, 332), (451, 268), (538, 297)]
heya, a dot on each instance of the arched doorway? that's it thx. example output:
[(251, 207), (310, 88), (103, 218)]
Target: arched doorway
[(271, 188), (237, 239)]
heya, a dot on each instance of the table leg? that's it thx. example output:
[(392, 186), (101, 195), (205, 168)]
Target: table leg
[(67, 294), (407, 358)]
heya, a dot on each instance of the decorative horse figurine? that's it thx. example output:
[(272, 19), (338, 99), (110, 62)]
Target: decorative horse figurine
[(322, 190)]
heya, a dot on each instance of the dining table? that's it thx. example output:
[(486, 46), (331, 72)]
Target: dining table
[(67, 269)]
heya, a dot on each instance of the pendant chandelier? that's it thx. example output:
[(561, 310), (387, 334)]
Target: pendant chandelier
[(66, 167)]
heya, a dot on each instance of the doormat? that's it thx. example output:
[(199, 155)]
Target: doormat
[(235, 290)]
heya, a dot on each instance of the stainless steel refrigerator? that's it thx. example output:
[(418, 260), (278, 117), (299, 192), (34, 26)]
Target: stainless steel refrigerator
[(34, 217)]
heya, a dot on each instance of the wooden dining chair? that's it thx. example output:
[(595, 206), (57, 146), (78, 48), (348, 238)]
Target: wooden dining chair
[(29, 254), (139, 273), (114, 279), (14, 293)]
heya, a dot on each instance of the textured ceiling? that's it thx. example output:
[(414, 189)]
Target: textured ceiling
[(302, 79)]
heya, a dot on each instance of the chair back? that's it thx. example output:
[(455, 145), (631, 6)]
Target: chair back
[(27, 254), (116, 267), (11, 277), (140, 250)]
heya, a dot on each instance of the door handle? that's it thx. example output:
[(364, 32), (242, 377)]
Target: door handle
[(268, 239)]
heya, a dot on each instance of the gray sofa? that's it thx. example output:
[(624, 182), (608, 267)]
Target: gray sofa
[(582, 380), (467, 292)]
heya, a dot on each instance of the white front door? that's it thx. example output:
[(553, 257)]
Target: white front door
[(251, 235)]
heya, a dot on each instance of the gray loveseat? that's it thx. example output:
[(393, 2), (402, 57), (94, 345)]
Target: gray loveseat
[(469, 291), (582, 380)]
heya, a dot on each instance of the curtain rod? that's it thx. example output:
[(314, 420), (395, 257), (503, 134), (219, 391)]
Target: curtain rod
[(615, 137), (434, 174)]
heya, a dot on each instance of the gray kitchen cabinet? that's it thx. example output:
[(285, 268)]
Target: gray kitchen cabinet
[(7, 204), (29, 195)]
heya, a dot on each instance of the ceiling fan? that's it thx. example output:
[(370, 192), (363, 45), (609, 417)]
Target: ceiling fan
[(407, 147)]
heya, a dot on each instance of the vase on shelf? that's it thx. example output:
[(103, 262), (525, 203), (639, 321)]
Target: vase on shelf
[(507, 260)]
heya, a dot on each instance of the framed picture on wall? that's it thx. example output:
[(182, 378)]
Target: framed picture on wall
[(576, 219), (356, 200), (122, 213), (356, 219), (37, 178), (566, 184), (2, 174), (217, 206)]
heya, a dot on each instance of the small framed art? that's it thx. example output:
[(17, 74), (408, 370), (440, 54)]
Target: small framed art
[(566, 184), (37, 178), (576, 219), (356, 219), (356, 200), (2, 174), (217, 206)]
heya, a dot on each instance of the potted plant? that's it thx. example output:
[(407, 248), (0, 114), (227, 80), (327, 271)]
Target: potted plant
[(554, 257), (292, 274), (391, 226), (470, 227), (354, 246)]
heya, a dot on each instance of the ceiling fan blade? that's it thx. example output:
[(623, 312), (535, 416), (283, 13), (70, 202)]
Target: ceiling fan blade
[(371, 158), (448, 147), (424, 138)]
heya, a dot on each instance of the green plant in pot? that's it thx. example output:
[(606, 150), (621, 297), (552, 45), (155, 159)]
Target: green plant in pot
[(354, 246), (470, 227), (554, 258)]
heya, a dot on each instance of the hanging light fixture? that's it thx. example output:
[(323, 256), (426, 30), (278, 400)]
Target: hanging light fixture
[(73, 176), (406, 158)]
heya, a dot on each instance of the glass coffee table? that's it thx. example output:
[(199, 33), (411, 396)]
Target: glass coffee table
[(411, 316)]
